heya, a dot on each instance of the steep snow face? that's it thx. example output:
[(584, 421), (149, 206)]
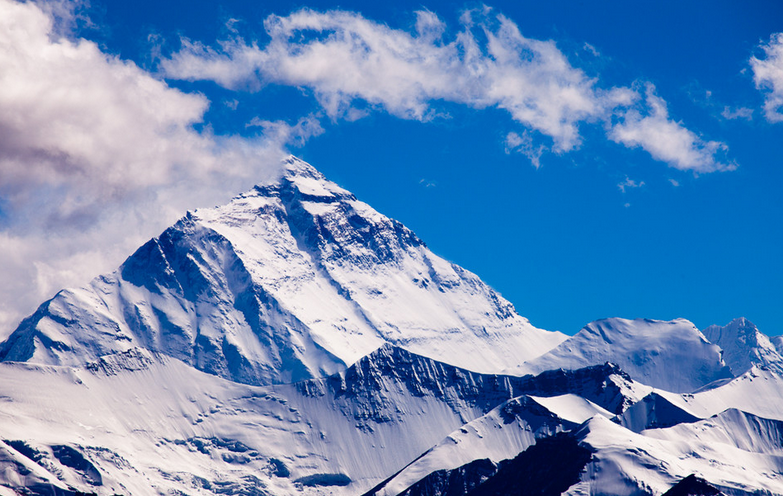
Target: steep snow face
[(292, 280), (671, 355), (744, 346), (757, 391), (501, 434), (512, 427)]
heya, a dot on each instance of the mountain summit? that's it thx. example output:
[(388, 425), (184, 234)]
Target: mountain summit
[(744, 346), (288, 281)]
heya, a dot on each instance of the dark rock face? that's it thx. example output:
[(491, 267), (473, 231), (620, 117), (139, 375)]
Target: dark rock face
[(547, 468), (693, 486), (72, 458), (363, 386), (457, 482), (592, 383), (324, 480)]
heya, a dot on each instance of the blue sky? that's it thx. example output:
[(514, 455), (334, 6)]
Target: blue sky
[(587, 162)]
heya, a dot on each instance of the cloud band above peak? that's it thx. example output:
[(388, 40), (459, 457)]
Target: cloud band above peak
[(344, 58)]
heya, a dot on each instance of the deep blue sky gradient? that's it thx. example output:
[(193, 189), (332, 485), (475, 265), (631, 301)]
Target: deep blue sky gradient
[(562, 243)]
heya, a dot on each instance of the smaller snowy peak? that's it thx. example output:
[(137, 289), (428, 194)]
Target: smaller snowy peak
[(693, 486), (654, 411), (671, 355), (744, 346)]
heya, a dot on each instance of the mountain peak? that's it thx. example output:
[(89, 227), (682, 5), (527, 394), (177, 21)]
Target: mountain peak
[(743, 345), (289, 281), (293, 166)]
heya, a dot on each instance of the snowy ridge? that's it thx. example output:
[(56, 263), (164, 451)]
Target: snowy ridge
[(291, 280), (136, 413), (671, 355), (654, 460), (193, 432)]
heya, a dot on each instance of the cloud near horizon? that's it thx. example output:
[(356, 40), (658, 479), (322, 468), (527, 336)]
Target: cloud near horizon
[(345, 60)]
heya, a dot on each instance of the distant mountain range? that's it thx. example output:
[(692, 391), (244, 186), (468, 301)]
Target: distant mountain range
[(296, 341)]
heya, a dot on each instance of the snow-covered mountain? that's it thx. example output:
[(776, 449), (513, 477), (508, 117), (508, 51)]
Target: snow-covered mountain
[(671, 355), (297, 342), (291, 280), (744, 346)]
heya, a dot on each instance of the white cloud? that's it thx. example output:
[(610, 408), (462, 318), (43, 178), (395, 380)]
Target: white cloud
[(96, 155), (737, 113), (591, 50), (281, 132), (666, 140), (768, 76), (524, 144), (343, 57), (629, 183)]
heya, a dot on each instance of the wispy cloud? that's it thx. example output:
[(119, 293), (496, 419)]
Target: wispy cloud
[(524, 144), (345, 59), (629, 183), (768, 76), (95, 156), (587, 47), (743, 113), (667, 140)]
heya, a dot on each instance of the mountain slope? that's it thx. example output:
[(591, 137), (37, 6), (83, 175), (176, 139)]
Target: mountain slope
[(291, 280), (149, 424)]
